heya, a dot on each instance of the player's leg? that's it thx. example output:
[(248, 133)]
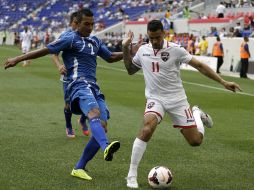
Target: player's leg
[(90, 108), (92, 147), (189, 122), (67, 114), (153, 115), (82, 123)]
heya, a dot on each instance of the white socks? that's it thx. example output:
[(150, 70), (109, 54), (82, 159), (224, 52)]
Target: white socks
[(197, 117), (138, 150)]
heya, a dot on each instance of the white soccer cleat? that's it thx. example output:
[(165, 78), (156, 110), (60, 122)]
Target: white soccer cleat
[(206, 118), (132, 182)]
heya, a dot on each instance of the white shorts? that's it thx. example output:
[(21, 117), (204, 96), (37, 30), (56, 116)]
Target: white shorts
[(181, 115), (25, 49)]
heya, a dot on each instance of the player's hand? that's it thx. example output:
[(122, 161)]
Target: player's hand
[(232, 86), (62, 69), (134, 48), (126, 41), (11, 62)]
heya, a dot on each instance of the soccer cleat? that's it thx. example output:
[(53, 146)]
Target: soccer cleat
[(206, 118), (110, 150), (132, 182), (85, 130), (70, 133), (81, 174)]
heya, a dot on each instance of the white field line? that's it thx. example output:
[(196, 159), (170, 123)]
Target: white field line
[(190, 83)]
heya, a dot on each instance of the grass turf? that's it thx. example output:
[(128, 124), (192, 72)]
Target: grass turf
[(35, 153)]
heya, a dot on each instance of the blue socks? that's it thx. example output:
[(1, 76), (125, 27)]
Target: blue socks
[(89, 152), (98, 132), (68, 114)]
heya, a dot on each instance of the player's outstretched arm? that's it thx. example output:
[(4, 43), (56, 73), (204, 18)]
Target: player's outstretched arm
[(61, 68), (116, 56), (127, 58), (207, 71), (12, 62)]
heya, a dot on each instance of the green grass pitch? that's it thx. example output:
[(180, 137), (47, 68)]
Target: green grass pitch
[(35, 153)]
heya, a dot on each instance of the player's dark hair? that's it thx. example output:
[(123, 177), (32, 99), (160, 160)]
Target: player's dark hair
[(73, 15), (84, 12), (154, 25)]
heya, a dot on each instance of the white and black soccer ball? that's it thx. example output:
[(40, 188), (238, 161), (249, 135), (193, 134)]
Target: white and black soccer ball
[(160, 177)]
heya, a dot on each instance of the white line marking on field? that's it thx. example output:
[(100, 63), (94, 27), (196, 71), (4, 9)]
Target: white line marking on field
[(123, 70), (191, 83)]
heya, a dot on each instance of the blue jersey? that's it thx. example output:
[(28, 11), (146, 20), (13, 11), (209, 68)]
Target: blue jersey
[(79, 54)]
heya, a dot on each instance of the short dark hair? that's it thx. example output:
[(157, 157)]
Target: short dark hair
[(84, 12), (73, 15), (154, 25)]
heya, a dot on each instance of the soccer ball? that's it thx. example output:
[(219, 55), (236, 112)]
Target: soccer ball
[(160, 177)]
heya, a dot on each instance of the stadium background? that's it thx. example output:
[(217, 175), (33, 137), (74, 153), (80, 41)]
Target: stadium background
[(34, 151)]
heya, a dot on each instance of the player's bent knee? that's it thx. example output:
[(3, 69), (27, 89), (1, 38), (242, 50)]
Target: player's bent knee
[(95, 112), (195, 141)]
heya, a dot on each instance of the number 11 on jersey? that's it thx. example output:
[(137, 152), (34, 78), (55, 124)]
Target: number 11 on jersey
[(155, 67)]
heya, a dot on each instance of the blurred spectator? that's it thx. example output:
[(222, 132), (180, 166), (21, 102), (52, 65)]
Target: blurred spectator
[(46, 38), (222, 33), (197, 46), (167, 14), (186, 12), (228, 3), (190, 44), (238, 26), (203, 16), (234, 3), (203, 46), (26, 38), (16, 39), (245, 55), (246, 23), (218, 53), (213, 32), (220, 10), (237, 33), (231, 32), (251, 18), (4, 36)]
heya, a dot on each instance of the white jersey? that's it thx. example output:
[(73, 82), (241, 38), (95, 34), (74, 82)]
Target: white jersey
[(26, 38), (161, 71)]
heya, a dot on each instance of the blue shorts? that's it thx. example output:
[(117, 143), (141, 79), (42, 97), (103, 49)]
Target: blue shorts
[(90, 93)]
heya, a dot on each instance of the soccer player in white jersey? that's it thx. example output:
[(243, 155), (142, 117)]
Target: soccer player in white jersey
[(160, 61), (26, 40)]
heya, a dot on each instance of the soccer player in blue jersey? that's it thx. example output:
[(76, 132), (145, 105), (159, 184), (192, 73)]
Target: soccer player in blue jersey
[(79, 56), (62, 70)]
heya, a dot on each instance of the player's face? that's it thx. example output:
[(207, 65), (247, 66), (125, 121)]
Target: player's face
[(156, 38), (85, 27)]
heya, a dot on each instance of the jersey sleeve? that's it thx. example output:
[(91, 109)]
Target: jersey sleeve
[(183, 55), (104, 52), (136, 59), (62, 43)]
